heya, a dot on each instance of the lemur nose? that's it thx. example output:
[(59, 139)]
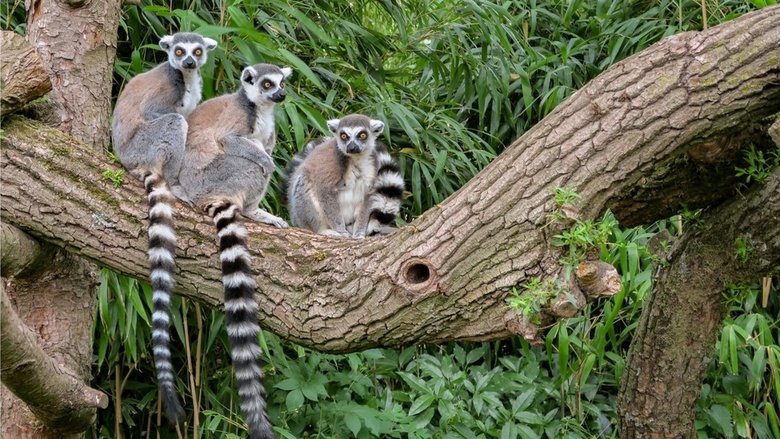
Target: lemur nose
[(279, 96), (189, 62)]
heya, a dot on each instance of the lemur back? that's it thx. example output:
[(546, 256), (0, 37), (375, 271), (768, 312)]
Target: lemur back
[(148, 133), (347, 185), (226, 171)]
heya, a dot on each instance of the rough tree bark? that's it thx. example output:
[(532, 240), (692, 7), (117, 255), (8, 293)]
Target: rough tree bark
[(76, 40), (22, 74), (654, 130), (674, 341)]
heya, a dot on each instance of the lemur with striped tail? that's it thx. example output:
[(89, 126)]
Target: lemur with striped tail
[(347, 185), (226, 170), (148, 133)]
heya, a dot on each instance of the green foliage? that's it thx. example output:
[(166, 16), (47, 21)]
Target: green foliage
[(742, 388), (564, 196), (743, 250), (757, 167), (115, 176), (12, 16), (534, 295), (583, 237)]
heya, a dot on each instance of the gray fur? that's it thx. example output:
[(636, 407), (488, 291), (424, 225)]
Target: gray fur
[(238, 166), (226, 171), (331, 187), (149, 132)]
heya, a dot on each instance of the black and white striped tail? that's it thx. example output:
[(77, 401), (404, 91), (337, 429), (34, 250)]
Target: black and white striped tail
[(385, 201), (162, 263), (241, 318)]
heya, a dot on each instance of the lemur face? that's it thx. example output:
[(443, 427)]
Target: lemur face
[(264, 83), (355, 133), (186, 50)]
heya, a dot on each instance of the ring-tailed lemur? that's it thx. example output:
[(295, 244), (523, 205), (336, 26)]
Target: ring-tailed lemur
[(148, 133), (348, 182), (226, 170)]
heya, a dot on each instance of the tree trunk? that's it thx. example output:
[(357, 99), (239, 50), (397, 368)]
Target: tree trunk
[(680, 322), (654, 130), (55, 297), (76, 39)]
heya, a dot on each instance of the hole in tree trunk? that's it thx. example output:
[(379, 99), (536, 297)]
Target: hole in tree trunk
[(417, 273)]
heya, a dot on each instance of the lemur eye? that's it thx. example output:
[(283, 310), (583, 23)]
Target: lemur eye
[(343, 136), (267, 85), (362, 135), (198, 52), (179, 52)]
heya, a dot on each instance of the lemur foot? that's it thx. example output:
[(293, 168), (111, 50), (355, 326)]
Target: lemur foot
[(179, 193), (334, 233), (264, 217)]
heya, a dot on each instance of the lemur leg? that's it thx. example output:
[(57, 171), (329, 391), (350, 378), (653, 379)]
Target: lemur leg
[(248, 149), (331, 221), (360, 226), (158, 146), (179, 192), (255, 213)]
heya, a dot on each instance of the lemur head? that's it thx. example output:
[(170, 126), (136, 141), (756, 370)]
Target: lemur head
[(264, 83), (355, 133), (187, 50)]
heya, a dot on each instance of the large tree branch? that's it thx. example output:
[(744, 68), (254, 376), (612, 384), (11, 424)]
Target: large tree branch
[(682, 318), (446, 275), (22, 75), (57, 395), (49, 386), (18, 252)]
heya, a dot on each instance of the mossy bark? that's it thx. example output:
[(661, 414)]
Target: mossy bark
[(675, 339)]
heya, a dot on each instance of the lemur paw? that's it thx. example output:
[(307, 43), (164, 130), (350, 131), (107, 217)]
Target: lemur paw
[(264, 217), (335, 234), (278, 222)]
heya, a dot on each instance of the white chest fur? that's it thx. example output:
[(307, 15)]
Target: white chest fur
[(358, 179), (264, 129), (193, 86)]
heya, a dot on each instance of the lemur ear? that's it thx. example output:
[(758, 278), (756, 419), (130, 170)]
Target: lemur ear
[(210, 44), (249, 75), (286, 72), (377, 126), (333, 125), (166, 41)]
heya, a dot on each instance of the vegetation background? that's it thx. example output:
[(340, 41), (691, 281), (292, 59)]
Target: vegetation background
[(456, 82)]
